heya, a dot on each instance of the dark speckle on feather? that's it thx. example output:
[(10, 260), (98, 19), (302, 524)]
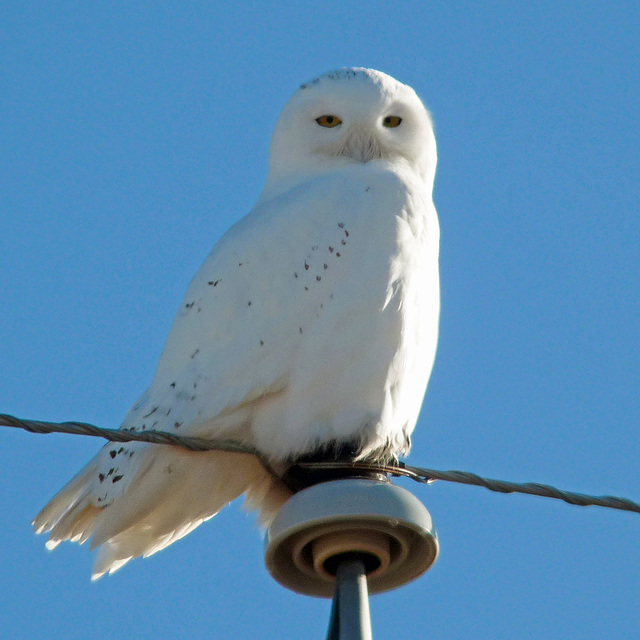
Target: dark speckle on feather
[(112, 453)]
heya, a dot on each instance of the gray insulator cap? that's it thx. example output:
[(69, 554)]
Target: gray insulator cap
[(384, 524)]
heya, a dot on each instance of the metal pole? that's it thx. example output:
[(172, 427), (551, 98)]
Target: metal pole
[(350, 618)]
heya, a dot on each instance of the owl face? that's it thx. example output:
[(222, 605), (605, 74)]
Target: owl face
[(352, 116)]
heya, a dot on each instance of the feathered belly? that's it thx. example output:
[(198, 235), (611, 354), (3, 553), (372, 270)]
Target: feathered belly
[(361, 370)]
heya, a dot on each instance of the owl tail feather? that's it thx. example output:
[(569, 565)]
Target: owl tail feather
[(170, 493)]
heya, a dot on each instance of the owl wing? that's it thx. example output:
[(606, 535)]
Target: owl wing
[(293, 263)]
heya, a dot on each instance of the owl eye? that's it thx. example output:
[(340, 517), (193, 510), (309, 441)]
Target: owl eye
[(391, 121), (328, 121)]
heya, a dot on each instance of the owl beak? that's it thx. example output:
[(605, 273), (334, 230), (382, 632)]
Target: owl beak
[(361, 145)]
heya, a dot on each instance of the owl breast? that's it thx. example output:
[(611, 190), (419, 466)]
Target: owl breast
[(366, 287)]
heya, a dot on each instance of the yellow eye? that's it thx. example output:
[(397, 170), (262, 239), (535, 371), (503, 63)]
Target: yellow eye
[(392, 122), (328, 121)]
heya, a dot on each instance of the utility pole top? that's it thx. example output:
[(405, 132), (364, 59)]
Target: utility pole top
[(319, 528)]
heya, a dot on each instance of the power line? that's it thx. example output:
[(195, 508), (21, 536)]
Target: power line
[(419, 474), (422, 474)]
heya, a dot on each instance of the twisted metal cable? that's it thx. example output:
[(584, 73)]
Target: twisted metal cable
[(419, 474), (426, 476), (122, 435)]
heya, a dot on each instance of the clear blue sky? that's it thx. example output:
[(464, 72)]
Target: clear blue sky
[(133, 134)]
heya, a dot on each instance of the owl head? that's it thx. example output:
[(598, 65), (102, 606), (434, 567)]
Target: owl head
[(352, 117)]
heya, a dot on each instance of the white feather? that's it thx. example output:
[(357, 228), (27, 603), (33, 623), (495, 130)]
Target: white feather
[(314, 320)]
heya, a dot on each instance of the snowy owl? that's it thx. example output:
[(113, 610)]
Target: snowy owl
[(309, 331)]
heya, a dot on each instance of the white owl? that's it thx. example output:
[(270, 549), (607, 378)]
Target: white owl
[(311, 328)]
